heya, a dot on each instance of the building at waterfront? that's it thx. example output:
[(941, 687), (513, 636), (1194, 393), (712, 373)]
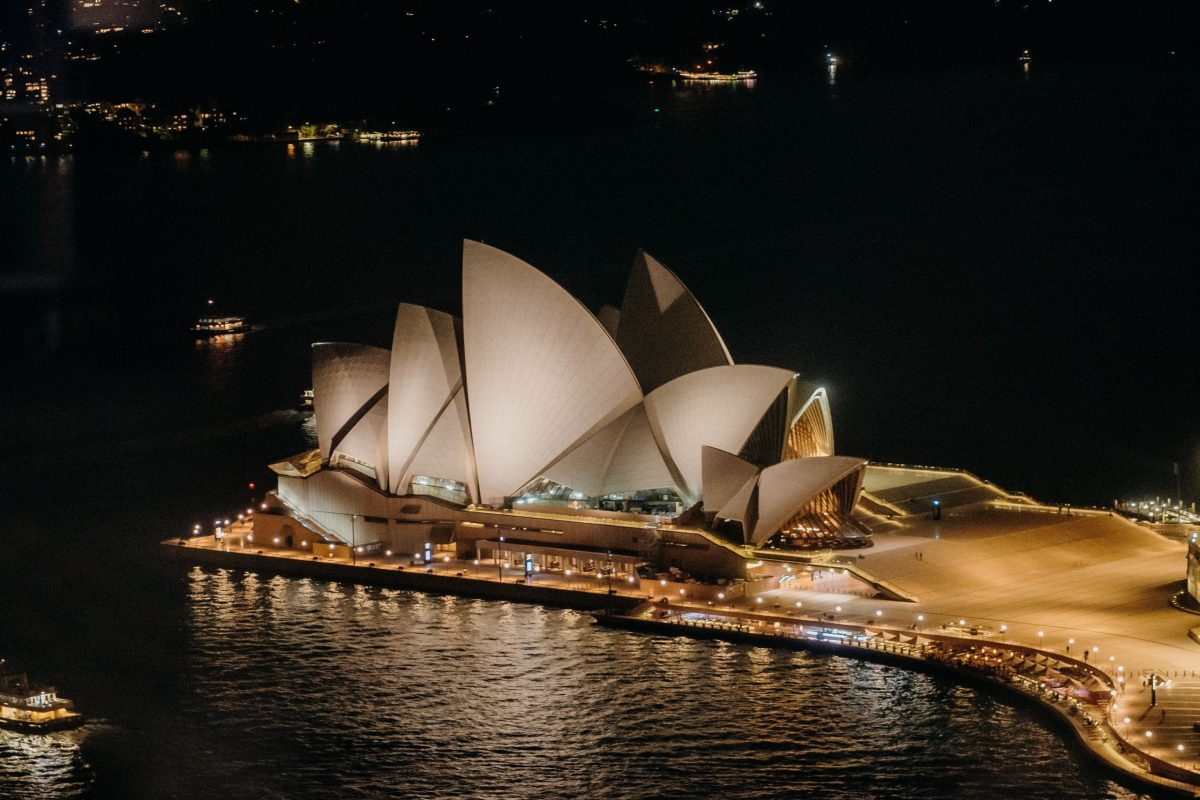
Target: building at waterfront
[(629, 433)]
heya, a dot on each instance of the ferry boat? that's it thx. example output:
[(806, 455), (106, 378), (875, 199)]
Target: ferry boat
[(743, 75), (306, 398), (219, 326), (28, 708), (406, 137), (213, 323)]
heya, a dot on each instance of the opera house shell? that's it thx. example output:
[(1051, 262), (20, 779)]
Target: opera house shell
[(530, 404)]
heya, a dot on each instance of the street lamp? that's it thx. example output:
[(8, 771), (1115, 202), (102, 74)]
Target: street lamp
[(499, 563)]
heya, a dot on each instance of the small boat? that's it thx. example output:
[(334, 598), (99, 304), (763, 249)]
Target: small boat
[(29, 708), (306, 398), (1025, 58)]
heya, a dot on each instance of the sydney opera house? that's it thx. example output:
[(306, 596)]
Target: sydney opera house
[(628, 437)]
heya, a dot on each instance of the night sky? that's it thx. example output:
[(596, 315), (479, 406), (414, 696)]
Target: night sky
[(987, 269)]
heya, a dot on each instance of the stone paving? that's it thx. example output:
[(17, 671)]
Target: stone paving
[(1060, 583)]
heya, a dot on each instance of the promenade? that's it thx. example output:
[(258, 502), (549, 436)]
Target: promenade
[(1091, 591)]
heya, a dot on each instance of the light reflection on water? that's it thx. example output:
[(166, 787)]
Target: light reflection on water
[(309, 688), (49, 766)]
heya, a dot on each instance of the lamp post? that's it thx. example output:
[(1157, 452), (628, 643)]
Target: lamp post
[(353, 539), (499, 561)]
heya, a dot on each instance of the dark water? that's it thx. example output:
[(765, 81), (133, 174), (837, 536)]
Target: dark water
[(976, 265), (294, 688)]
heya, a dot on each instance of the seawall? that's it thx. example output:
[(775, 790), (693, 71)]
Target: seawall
[(1103, 754), (408, 578)]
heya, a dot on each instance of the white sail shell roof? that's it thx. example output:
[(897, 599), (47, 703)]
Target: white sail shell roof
[(637, 463), (446, 451), (663, 330), (719, 407), (741, 507), (366, 441), (724, 475), (542, 373), (345, 378), (425, 374), (621, 457), (784, 488)]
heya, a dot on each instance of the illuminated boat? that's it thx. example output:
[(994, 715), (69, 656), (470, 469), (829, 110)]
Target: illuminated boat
[(219, 326), (306, 398), (743, 75), (406, 137), (28, 708)]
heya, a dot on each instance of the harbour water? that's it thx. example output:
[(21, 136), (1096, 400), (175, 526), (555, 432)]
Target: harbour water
[(911, 291), (291, 688)]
